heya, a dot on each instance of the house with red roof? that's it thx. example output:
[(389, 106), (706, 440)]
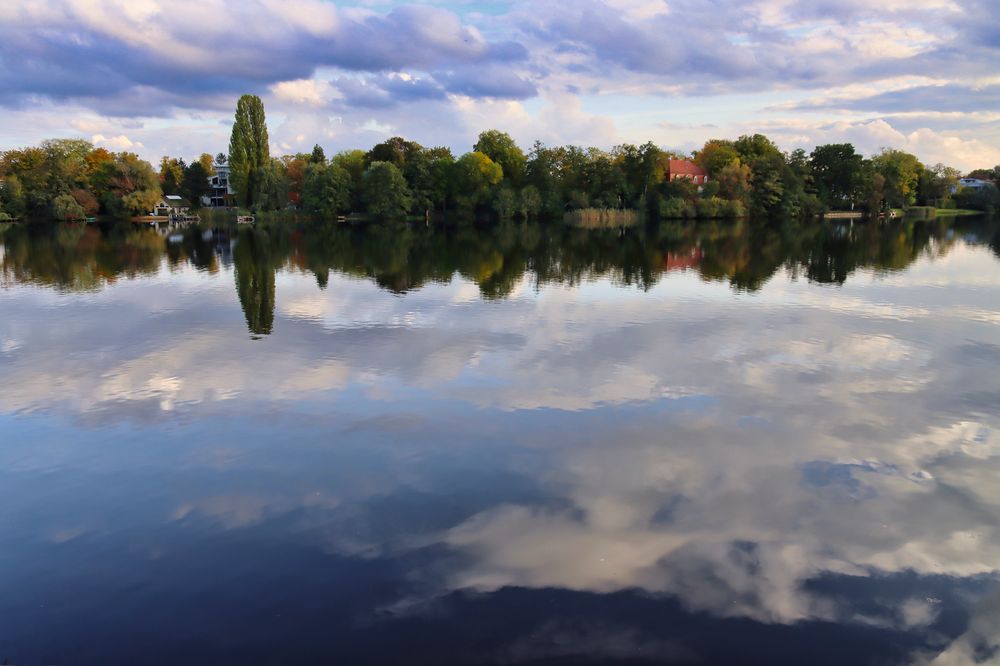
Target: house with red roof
[(687, 170)]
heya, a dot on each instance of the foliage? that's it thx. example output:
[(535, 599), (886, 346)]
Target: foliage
[(12, 199), (327, 190), (749, 174), (171, 175), (318, 156), (986, 199), (838, 173), (936, 185), (88, 202), (476, 173), (734, 182), (386, 193), (901, 172), (249, 153), (530, 202), (140, 202), (273, 188), (505, 203), (986, 174), (65, 207), (716, 155), (208, 164), (396, 151), (194, 185), (502, 149)]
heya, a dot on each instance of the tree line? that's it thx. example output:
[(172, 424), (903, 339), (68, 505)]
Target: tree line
[(68, 179)]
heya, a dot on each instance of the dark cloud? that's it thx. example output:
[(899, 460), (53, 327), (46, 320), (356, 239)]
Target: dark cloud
[(113, 59), (114, 66)]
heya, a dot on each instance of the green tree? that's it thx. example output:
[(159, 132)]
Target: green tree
[(873, 189), (354, 162), (396, 151), (767, 186), (171, 174), (530, 202), (837, 171), (442, 176), (318, 155), (386, 194), (139, 202), (734, 182), (249, 153), (937, 183), (194, 185), (505, 203), (476, 174), (273, 186), (986, 174), (327, 190), (716, 155), (501, 148), (901, 172), (12, 198), (65, 207), (753, 146)]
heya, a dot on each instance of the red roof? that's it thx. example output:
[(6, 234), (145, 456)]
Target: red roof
[(686, 167)]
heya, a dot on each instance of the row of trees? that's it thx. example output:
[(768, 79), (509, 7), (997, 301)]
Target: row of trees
[(750, 175), (71, 179)]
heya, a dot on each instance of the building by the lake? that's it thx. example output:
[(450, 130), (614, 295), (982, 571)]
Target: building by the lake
[(686, 170), (974, 183), (170, 205), (221, 193)]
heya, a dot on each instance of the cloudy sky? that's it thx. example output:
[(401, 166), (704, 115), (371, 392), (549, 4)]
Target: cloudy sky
[(160, 77)]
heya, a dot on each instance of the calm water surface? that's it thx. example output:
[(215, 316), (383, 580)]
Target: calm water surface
[(518, 444)]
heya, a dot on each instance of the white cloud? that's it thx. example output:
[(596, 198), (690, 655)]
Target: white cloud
[(120, 142)]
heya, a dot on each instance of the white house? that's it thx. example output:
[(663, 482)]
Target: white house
[(221, 192), (974, 183)]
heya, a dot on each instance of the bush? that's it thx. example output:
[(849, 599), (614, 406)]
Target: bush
[(530, 201), (505, 203), (734, 208), (709, 208), (811, 206), (672, 208), (65, 207), (986, 199)]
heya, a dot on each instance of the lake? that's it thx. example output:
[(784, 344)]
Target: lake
[(713, 443)]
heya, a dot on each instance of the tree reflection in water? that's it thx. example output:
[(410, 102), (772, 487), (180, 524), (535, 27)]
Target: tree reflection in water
[(401, 258)]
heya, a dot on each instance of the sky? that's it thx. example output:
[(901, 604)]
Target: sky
[(161, 77)]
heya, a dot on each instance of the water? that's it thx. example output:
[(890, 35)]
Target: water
[(714, 443)]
